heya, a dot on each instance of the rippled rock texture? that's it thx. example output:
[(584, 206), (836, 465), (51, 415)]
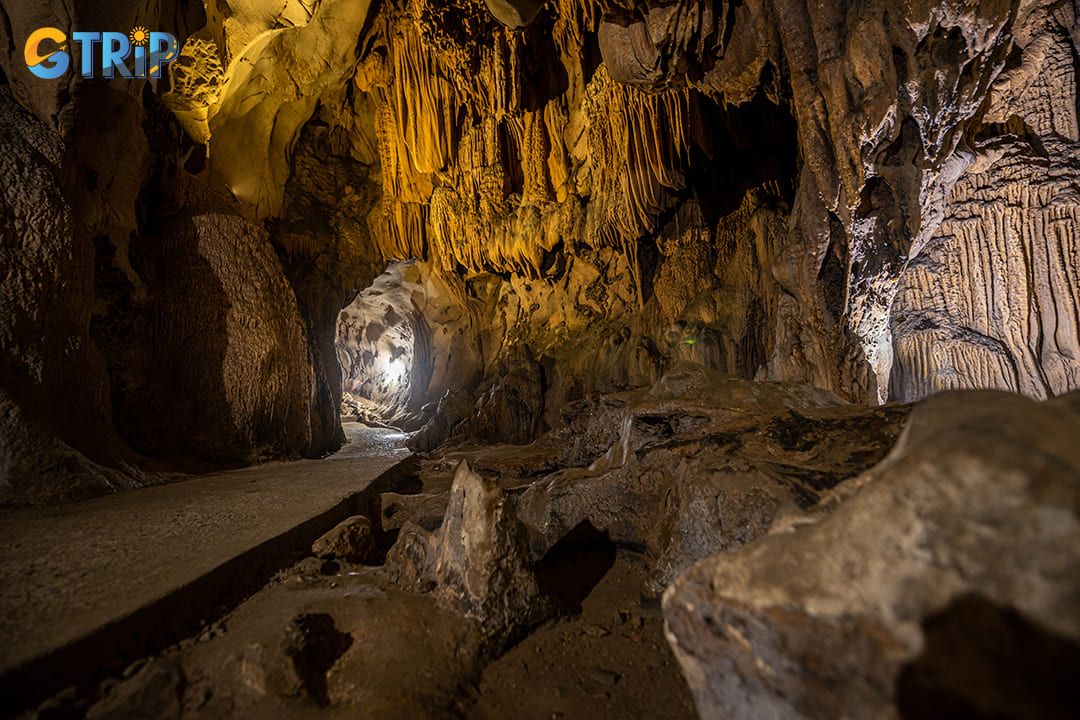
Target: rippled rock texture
[(475, 563)]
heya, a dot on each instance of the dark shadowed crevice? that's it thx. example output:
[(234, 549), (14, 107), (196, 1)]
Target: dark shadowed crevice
[(833, 273), (984, 661), (755, 144), (314, 644), (402, 479), (575, 565)]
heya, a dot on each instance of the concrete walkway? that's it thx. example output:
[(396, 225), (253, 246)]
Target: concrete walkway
[(87, 585)]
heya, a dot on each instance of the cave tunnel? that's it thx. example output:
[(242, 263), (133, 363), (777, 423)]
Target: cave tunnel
[(506, 358), (382, 350)]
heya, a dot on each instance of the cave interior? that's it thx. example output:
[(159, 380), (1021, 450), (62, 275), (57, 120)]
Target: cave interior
[(540, 358)]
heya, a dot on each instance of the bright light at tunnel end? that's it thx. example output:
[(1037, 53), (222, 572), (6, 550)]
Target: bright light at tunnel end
[(396, 371)]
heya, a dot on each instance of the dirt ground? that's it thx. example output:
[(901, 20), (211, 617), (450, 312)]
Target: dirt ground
[(337, 639), (348, 643), (610, 661)]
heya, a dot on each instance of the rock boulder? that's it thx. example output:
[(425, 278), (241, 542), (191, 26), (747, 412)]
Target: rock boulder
[(971, 523)]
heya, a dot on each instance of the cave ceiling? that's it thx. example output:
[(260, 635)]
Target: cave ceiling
[(836, 138)]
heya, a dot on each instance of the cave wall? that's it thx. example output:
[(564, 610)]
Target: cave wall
[(54, 390), (76, 159), (148, 324), (990, 300), (791, 188), (215, 358), (898, 109), (878, 199)]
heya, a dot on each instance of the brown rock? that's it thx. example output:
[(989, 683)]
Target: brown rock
[(705, 463), (969, 527), (154, 691), (425, 510), (349, 540), (452, 408), (475, 563), (218, 360), (510, 404), (54, 390)]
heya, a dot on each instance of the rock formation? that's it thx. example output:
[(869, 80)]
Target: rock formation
[(475, 562), (880, 203), (974, 514), (658, 280), (349, 540), (704, 464), (840, 578), (55, 394)]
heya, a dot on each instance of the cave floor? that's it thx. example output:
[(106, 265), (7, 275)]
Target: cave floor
[(90, 580), (407, 657), (608, 661), (351, 643)]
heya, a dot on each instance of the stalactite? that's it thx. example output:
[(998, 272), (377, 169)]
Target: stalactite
[(423, 102), (644, 138), (454, 132)]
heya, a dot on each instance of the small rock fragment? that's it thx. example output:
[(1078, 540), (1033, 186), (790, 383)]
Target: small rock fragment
[(350, 540)]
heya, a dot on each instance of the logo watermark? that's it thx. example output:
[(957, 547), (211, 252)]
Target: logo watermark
[(48, 53)]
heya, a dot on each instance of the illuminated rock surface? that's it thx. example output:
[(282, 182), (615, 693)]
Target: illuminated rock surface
[(879, 203), (667, 275)]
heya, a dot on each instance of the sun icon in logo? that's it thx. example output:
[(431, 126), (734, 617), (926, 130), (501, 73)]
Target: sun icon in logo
[(140, 36)]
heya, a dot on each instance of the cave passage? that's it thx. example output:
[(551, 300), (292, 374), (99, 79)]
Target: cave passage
[(380, 347)]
